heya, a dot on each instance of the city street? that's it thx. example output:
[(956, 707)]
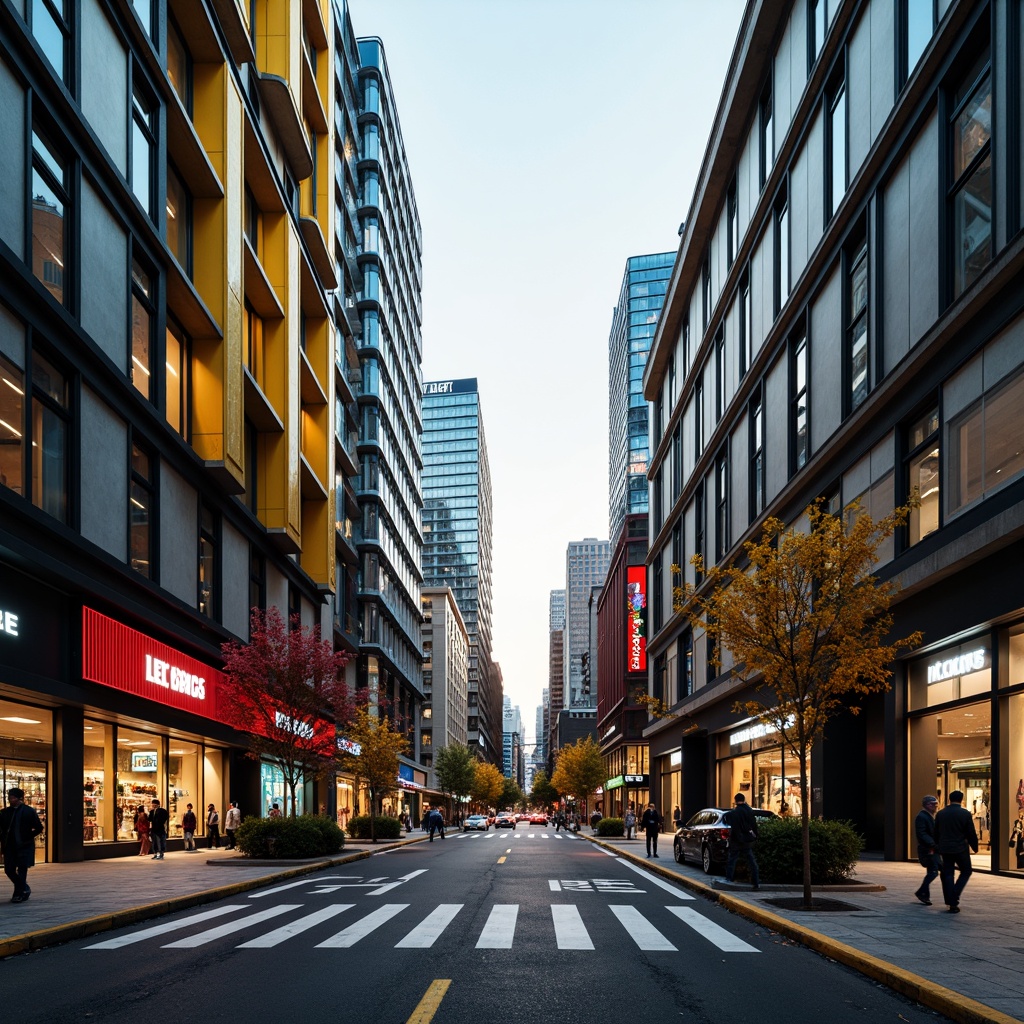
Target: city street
[(524, 925)]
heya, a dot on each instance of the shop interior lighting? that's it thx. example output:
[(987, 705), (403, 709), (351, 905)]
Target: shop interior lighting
[(22, 721)]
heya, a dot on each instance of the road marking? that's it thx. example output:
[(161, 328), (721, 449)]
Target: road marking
[(655, 880), (500, 929), (427, 932), (428, 1005), (610, 853), (285, 932), (387, 888), (517, 836), (163, 929), (509, 850), (640, 930), (570, 932), (491, 835), (356, 879), (211, 934), (553, 885), (351, 935), (714, 933), (501, 859)]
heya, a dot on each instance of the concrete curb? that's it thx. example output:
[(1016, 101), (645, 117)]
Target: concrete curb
[(957, 1007), (31, 941)]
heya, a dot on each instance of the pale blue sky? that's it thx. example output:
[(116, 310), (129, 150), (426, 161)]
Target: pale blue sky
[(548, 141)]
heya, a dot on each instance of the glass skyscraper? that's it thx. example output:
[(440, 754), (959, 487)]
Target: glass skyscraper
[(633, 324), (457, 543)]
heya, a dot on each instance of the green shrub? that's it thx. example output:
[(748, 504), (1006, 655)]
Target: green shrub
[(306, 836), (383, 827), (611, 827), (835, 847)]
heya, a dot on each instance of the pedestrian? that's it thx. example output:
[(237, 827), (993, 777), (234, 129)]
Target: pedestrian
[(559, 821), (435, 823), (19, 826), (742, 824), (142, 829), (231, 822), (955, 837), (927, 853), (158, 819), (677, 819), (651, 824), (630, 822), (275, 811), (595, 817), (189, 824), (212, 827)]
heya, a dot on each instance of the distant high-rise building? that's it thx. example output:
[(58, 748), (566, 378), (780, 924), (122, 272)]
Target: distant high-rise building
[(457, 544), (586, 565), (556, 668), (445, 673), (512, 740), (633, 324)]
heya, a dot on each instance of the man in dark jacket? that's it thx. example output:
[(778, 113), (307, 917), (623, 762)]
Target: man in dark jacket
[(742, 824), (927, 854), (651, 824), (19, 826), (158, 819), (955, 837), (435, 823)]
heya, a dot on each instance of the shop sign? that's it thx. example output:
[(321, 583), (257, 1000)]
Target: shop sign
[(123, 658), (304, 730), (10, 624), (615, 783), (349, 746), (637, 780), (636, 618), (755, 732), (963, 664)]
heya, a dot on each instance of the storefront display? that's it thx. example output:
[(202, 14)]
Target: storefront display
[(752, 761), (26, 758)]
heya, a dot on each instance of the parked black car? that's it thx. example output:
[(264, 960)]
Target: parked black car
[(705, 838)]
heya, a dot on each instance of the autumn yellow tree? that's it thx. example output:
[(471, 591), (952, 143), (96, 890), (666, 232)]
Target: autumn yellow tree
[(803, 617), (579, 770), (487, 785)]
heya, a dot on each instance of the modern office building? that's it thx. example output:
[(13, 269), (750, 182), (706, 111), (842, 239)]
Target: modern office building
[(556, 671), (166, 378), (512, 742), (586, 565), (845, 320), (389, 409), (444, 714), (457, 538), (633, 323)]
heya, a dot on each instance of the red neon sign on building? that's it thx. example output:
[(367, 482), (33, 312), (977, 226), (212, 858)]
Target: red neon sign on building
[(636, 618)]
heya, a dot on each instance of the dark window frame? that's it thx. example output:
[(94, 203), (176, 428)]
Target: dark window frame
[(723, 489), (144, 115), (148, 302), (732, 233), (209, 535), (930, 442), (836, 96), (746, 316), (35, 448), (141, 484), (799, 402), (766, 124), (782, 250), (63, 190), (757, 489), (856, 255)]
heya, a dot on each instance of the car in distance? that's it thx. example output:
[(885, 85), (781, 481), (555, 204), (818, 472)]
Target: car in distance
[(505, 821), (538, 818), (705, 838), (476, 823)]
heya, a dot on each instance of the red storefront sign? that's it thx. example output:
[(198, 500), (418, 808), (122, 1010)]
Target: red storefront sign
[(636, 618), (116, 655)]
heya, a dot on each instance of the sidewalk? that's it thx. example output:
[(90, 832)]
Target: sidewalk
[(967, 966)]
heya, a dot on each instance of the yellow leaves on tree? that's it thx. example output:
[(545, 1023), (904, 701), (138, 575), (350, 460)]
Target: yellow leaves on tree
[(376, 764), (488, 784), (579, 770)]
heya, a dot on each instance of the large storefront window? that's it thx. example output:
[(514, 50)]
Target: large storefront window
[(97, 774), (276, 791), (26, 754), (753, 762), (183, 784), (1012, 852), (140, 774)]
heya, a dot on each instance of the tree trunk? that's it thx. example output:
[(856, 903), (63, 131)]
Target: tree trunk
[(805, 821), (373, 815)]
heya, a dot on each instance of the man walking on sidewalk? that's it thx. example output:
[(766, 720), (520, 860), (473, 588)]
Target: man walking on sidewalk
[(19, 826), (189, 825), (742, 824), (231, 821), (927, 854), (955, 837), (651, 824), (158, 819)]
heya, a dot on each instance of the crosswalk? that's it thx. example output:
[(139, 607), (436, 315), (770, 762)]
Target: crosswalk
[(569, 931), (510, 835)]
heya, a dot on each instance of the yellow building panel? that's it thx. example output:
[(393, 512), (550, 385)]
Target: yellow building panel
[(317, 558)]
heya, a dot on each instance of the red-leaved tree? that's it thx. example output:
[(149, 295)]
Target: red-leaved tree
[(285, 689)]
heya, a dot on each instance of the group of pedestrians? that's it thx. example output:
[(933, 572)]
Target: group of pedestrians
[(151, 828), (945, 840)]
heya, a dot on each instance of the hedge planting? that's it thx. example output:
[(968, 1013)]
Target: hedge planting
[(289, 838), (835, 848), (383, 827), (611, 827)]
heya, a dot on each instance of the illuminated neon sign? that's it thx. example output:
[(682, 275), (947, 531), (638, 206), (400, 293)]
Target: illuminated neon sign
[(636, 618)]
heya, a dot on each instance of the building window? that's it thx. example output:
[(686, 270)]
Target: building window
[(252, 466), (857, 325), (207, 599), (721, 391), (144, 9), (140, 512), (677, 460), (970, 195), (677, 551), (659, 499), (798, 404), (922, 475), (257, 580), (698, 417), (746, 326), (178, 379), (723, 539), (916, 21), (835, 145), (254, 357), (757, 484), (12, 421), (767, 133), (819, 17), (782, 267), (50, 216), (705, 291), (658, 601), (50, 446), (179, 65), (143, 148), (984, 442), (51, 31), (671, 379), (252, 221), (686, 343), (179, 221), (700, 519), (686, 680), (659, 415), (143, 318), (733, 224)]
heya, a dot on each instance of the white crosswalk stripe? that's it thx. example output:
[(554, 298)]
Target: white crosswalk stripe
[(429, 930), (500, 929), (232, 926), (714, 933), (351, 935), (285, 932), (165, 928), (640, 930), (570, 931)]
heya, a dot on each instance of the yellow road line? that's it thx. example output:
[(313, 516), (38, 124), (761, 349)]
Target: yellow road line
[(424, 1012), (501, 860)]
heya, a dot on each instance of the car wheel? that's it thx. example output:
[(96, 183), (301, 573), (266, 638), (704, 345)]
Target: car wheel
[(705, 860), (677, 850)]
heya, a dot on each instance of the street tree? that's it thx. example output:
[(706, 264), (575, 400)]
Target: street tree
[(488, 783), (285, 689), (543, 793), (511, 794), (803, 617), (454, 769), (376, 763), (579, 770)]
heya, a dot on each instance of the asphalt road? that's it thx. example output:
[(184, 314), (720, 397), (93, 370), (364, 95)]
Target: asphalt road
[(524, 926)]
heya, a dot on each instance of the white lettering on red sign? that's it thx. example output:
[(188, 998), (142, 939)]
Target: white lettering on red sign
[(170, 677)]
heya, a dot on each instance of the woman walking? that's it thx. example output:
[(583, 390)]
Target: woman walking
[(142, 829)]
